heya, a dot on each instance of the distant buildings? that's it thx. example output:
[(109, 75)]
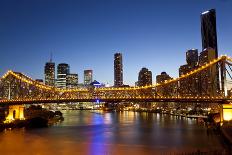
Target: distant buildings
[(209, 78), (204, 83), (162, 77), (49, 73), (145, 77), (167, 90), (189, 86), (88, 77), (39, 80), (72, 80), (118, 70), (192, 58), (63, 70)]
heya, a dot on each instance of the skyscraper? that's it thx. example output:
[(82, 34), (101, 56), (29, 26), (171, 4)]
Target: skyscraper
[(72, 80), (192, 58), (62, 71), (88, 77), (118, 70), (189, 86), (49, 73), (145, 77), (208, 30), (209, 83), (209, 40), (169, 90)]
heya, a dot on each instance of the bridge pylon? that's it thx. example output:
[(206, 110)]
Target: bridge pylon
[(15, 112)]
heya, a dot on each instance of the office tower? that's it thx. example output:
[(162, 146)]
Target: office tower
[(189, 86), (49, 73), (209, 83), (72, 80), (168, 90), (145, 77), (209, 31), (192, 58), (118, 70), (62, 72), (209, 40), (88, 77), (162, 77)]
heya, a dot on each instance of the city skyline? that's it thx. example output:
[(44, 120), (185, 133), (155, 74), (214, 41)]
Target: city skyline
[(141, 51)]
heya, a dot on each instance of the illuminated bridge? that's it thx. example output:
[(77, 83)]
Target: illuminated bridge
[(204, 84)]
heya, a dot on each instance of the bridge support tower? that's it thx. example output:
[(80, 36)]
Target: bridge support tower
[(225, 113), (15, 112)]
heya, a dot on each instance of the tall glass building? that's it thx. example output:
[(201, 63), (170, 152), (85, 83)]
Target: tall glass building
[(145, 77), (209, 40), (63, 70), (72, 80), (118, 70), (49, 73), (209, 31), (192, 57), (88, 77)]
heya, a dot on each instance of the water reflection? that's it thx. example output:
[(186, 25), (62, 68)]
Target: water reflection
[(86, 132)]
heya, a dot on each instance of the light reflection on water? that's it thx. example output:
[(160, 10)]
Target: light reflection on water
[(86, 132)]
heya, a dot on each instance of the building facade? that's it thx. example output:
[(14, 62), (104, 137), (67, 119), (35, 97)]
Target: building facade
[(190, 85), (88, 77), (72, 80), (192, 58), (145, 77), (63, 70), (118, 70), (49, 73), (166, 90), (209, 78), (209, 30)]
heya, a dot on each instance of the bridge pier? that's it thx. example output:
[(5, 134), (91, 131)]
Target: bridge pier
[(225, 113), (15, 112)]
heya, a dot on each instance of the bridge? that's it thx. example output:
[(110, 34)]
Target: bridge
[(205, 84)]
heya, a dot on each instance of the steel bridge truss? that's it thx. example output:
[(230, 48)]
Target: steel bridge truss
[(199, 85)]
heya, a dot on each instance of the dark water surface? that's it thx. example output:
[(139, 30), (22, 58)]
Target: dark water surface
[(86, 132)]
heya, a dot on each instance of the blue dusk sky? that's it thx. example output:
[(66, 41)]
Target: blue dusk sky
[(86, 34)]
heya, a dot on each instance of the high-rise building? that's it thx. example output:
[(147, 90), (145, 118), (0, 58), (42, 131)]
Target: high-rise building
[(209, 31), (162, 77), (63, 70), (118, 70), (209, 77), (88, 77), (168, 90), (49, 73), (189, 86), (72, 80), (192, 58), (209, 40), (145, 77)]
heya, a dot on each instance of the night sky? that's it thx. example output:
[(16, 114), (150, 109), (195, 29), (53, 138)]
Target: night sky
[(86, 33)]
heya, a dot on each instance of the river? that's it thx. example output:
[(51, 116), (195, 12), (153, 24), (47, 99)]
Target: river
[(88, 132)]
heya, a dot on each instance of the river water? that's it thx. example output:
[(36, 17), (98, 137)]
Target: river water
[(88, 132)]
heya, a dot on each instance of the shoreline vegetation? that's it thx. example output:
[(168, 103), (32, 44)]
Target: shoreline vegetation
[(35, 117)]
